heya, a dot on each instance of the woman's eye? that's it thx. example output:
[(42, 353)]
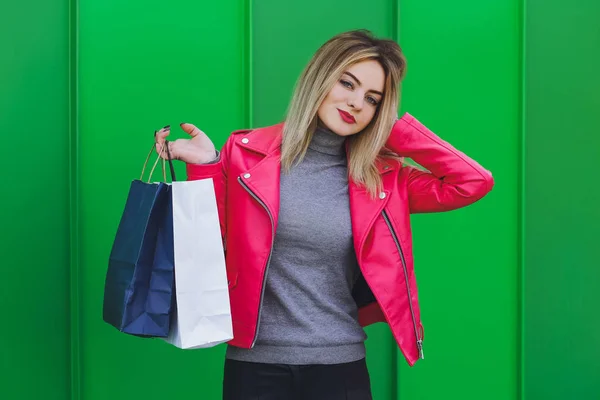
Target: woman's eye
[(372, 101), (346, 83)]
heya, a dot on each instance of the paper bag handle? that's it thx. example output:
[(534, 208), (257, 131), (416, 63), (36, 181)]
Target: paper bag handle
[(162, 150)]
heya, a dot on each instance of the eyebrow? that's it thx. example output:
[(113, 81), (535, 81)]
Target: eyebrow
[(360, 84)]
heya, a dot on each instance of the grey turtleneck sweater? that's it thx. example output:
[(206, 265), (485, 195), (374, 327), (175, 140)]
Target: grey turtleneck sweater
[(308, 313)]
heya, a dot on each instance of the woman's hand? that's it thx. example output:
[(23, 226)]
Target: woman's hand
[(199, 149)]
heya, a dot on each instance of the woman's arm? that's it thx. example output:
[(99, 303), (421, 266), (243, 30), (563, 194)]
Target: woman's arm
[(454, 180)]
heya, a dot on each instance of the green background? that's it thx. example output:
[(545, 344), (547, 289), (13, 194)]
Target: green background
[(508, 287)]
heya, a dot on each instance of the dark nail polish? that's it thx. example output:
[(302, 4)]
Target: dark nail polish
[(167, 127)]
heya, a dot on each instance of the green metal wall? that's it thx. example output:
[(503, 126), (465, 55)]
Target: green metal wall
[(463, 79), (34, 226), (142, 68), (562, 200), (508, 287)]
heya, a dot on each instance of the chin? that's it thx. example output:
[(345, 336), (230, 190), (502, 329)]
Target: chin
[(345, 131), (340, 127)]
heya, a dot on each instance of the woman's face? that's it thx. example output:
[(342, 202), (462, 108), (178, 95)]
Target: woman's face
[(351, 104)]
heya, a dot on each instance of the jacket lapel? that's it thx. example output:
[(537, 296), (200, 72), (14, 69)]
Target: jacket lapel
[(364, 209), (263, 178)]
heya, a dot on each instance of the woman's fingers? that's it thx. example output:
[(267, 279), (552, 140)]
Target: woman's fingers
[(160, 137), (187, 150), (170, 151), (162, 134), (190, 129)]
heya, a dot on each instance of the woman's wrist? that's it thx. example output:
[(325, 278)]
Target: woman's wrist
[(208, 159)]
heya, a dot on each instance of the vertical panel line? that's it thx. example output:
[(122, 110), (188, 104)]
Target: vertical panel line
[(249, 64), (521, 245), (396, 21), (74, 179)]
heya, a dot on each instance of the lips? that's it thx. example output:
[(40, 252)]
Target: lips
[(347, 117)]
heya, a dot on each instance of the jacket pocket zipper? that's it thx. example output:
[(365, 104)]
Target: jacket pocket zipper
[(412, 311), (262, 290)]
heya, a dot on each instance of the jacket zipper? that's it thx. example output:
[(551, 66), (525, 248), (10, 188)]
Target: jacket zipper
[(412, 312), (262, 290)]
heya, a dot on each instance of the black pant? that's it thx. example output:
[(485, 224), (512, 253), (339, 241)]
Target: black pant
[(253, 381)]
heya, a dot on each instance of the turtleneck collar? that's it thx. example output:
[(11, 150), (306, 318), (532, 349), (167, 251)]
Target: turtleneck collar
[(328, 142)]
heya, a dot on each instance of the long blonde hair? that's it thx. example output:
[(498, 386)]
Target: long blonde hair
[(323, 71)]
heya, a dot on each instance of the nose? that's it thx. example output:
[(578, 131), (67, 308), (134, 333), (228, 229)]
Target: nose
[(356, 101)]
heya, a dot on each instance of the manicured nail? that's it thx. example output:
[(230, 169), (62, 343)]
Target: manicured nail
[(155, 133), (167, 127)]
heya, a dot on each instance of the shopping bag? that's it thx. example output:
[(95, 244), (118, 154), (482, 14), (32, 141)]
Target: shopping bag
[(202, 316), (138, 288)]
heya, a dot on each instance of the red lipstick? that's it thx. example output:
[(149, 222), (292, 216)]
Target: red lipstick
[(347, 117)]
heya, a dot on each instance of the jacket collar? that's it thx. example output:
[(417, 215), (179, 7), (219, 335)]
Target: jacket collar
[(267, 141)]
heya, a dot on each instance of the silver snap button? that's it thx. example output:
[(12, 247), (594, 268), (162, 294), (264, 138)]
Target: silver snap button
[(386, 167), (246, 176), (245, 140), (382, 195)]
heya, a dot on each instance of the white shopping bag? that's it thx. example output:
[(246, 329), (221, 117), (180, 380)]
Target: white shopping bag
[(203, 316)]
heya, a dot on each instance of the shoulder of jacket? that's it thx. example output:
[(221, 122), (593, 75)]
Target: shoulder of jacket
[(260, 130), (241, 131)]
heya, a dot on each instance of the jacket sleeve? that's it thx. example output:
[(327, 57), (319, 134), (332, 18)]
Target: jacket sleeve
[(216, 170), (453, 180)]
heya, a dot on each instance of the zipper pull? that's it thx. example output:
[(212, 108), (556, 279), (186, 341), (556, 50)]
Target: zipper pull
[(420, 347)]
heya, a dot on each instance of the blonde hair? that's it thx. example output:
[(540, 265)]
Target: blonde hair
[(323, 71)]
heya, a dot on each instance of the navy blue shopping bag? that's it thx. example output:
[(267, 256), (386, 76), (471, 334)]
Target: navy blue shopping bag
[(138, 290)]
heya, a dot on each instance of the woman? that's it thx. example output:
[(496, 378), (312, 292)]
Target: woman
[(314, 214)]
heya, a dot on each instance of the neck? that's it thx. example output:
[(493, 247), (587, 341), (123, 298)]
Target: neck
[(327, 142)]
